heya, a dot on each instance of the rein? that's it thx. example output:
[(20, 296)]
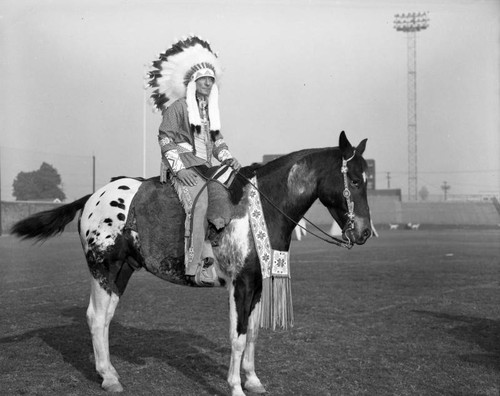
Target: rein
[(329, 238)]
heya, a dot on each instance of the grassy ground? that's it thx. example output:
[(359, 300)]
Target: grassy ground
[(409, 313)]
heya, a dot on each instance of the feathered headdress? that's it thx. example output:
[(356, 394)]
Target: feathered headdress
[(173, 75)]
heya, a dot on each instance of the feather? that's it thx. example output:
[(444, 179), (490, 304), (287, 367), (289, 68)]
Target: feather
[(170, 73)]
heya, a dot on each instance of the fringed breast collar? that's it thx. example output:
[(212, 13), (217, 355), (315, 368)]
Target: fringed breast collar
[(276, 301)]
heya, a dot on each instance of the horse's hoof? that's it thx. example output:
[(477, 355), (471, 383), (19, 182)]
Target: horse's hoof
[(255, 388), (114, 387)]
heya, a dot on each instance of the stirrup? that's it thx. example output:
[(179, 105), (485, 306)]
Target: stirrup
[(214, 234), (206, 275)]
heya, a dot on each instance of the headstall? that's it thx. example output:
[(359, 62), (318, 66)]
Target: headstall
[(347, 195)]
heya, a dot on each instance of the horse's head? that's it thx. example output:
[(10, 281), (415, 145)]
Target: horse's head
[(343, 191)]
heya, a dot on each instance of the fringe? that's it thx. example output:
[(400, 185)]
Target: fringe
[(276, 303), (187, 203), (163, 172)]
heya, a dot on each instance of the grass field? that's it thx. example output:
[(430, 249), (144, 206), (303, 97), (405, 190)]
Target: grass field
[(409, 313)]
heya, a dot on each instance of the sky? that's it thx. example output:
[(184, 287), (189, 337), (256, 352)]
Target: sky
[(296, 74)]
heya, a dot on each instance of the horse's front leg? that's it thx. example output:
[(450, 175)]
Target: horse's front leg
[(252, 383), (238, 343), (244, 315), (99, 314)]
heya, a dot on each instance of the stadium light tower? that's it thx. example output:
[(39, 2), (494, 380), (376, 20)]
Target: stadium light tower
[(412, 23)]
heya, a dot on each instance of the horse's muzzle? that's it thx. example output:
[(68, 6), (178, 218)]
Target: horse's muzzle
[(358, 237)]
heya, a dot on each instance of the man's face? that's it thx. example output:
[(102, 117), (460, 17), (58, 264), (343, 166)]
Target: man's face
[(204, 85)]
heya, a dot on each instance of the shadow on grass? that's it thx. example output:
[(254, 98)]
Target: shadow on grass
[(188, 353), (483, 332)]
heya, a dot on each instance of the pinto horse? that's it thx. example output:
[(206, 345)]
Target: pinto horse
[(288, 187)]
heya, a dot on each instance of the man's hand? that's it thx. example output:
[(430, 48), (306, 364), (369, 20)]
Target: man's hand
[(188, 177), (233, 163)]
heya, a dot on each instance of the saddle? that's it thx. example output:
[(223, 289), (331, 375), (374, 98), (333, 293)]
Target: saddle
[(158, 217), (157, 214)]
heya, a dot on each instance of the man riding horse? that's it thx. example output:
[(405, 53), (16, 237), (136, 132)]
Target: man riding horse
[(132, 223), (185, 88)]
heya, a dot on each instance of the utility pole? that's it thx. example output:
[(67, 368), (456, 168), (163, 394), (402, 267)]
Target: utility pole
[(445, 187), (388, 180), (144, 127), (93, 173), (410, 24), (1, 206)]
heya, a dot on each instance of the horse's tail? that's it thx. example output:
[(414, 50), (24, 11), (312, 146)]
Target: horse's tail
[(49, 223)]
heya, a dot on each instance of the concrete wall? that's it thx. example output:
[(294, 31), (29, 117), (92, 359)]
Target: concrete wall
[(385, 206), (387, 209), (450, 213), (12, 212)]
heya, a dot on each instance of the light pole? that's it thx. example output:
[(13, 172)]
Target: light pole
[(144, 110), (410, 24)]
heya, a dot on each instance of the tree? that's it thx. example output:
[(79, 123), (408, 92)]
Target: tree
[(42, 184), (424, 193)]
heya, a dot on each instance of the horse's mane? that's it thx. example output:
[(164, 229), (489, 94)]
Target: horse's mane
[(285, 162), (275, 167)]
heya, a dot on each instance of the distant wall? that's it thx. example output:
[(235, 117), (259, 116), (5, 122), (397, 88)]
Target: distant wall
[(12, 212), (451, 213), (386, 207)]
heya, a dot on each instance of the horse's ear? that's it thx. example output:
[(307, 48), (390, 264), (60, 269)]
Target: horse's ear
[(361, 147), (344, 144)]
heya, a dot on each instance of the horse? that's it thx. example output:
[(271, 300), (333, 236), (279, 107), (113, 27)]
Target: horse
[(114, 248)]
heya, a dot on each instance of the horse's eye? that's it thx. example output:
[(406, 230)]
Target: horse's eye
[(355, 183)]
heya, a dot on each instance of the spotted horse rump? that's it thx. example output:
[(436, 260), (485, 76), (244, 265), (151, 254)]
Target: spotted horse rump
[(105, 213), (101, 228)]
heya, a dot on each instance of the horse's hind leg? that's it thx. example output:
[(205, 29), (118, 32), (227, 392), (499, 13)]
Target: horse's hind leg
[(101, 309), (252, 383)]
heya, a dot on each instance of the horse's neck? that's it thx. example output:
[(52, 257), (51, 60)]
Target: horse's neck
[(289, 190)]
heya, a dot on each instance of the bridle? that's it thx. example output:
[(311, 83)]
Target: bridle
[(327, 237), (347, 193)]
